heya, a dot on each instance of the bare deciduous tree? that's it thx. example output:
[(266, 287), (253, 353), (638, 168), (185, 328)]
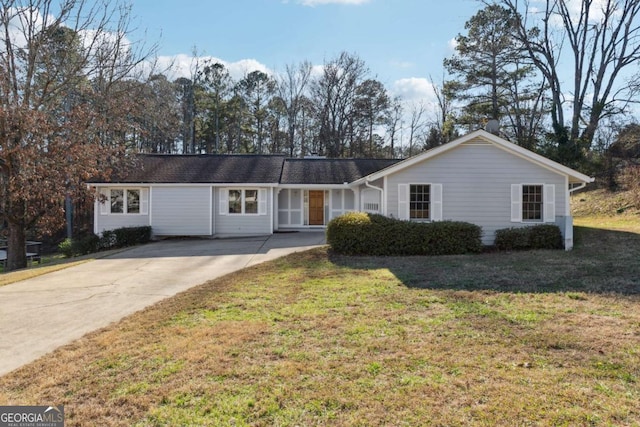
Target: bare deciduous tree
[(292, 86), (62, 106), (600, 40)]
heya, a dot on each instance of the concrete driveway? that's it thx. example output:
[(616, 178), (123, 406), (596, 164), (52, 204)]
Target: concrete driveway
[(40, 314)]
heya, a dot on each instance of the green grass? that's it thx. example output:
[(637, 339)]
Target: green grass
[(523, 338)]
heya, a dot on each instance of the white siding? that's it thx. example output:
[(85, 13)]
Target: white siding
[(111, 222), (243, 224), (476, 185), (342, 201), (181, 211), (104, 220)]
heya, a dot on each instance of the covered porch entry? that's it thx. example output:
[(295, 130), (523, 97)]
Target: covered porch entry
[(312, 207)]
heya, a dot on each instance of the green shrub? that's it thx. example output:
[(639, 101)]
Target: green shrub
[(543, 236), (546, 236), (110, 239), (66, 248), (86, 244), (129, 236), (347, 233), (359, 233)]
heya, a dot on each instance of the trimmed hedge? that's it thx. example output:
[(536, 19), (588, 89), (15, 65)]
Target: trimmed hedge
[(130, 236), (359, 233), (542, 236), (111, 239)]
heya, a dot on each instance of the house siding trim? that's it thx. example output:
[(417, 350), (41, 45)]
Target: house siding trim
[(493, 140)]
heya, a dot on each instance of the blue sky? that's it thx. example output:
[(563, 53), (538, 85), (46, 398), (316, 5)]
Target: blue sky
[(401, 41)]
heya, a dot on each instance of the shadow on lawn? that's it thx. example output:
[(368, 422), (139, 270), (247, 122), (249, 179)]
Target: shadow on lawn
[(602, 261)]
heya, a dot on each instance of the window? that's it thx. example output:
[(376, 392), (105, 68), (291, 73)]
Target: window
[(117, 201), (235, 201), (125, 201), (251, 201), (133, 201), (243, 201), (532, 202), (419, 201)]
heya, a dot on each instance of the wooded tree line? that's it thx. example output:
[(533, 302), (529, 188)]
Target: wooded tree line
[(552, 77), (342, 112)]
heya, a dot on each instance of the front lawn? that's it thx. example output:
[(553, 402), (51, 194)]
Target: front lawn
[(529, 338)]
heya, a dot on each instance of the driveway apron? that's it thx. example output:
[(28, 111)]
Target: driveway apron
[(40, 314)]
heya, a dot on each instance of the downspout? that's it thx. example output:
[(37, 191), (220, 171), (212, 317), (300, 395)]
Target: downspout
[(568, 222), (373, 187)]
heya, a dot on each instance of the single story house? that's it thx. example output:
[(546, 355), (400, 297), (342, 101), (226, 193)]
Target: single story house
[(479, 178)]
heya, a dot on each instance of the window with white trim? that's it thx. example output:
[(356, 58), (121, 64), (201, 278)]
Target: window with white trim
[(243, 201), (532, 202), (419, 201), (124, 201)]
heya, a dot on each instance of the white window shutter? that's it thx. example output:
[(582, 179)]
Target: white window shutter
[(516, 203), (105, 205), (223, 201), (549, 204), (403, 201), (144, 201), (436, 202), (262, 201)]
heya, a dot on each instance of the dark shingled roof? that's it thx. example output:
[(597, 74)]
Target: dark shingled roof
[(330, 171), (249, 169), (205, 168)]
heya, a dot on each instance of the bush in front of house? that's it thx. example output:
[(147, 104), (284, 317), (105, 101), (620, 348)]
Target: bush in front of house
[(110, 239), (86, 244), (542, 236), (129, 236), (359, 233)]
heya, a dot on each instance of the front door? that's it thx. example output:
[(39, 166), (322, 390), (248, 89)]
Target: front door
[(316, 207)]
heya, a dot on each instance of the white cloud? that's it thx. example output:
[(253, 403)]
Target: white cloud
[(183, 65), (453, 43), (314, 3), (22, 21), (317, 71), (413, 89), (596, 11)]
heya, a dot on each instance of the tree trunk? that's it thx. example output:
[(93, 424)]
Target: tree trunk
[(16, 253)]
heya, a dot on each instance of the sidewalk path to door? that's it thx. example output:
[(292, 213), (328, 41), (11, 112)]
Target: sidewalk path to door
[(41, 314)]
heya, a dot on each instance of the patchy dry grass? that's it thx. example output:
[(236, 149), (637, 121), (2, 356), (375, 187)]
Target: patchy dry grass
[(28, 273), (50, 264), (601, 202), (536, 338)]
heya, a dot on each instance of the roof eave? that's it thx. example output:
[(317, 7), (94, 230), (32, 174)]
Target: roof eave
[(516, 149)]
